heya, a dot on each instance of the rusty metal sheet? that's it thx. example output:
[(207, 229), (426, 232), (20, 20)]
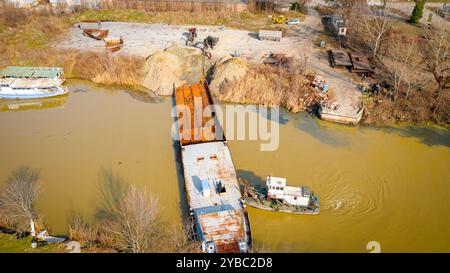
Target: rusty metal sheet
[(360, 63), (197, 128), (97, 34), (224, 228)]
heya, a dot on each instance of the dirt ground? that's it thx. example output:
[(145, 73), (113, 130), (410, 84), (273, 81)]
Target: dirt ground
[(144, 39)]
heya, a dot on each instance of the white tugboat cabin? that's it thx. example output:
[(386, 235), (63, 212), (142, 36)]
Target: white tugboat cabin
[(296, 196)]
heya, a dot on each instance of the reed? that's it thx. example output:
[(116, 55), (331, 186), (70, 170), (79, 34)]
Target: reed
[(271, 86)]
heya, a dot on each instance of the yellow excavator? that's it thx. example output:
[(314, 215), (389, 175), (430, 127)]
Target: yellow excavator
[(279, 19)]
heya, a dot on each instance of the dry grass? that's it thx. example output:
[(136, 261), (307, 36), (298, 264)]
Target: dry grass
[(271, 86), (251, 21), (421, 107), (25, 36)]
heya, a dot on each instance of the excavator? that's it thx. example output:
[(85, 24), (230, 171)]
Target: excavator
[(278, 19)]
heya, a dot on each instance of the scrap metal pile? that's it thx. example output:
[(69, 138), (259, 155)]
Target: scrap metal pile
[(206, 45)]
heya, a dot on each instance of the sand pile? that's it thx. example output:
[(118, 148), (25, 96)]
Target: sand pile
[(225, 73), (161, 71), (174, 66)]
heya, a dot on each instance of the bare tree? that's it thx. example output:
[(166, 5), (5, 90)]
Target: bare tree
[(129, 215), (137, 222), (180, 239), (81, 231), (400, 63), (18, 198), (436, 56), (348, 7), (305, 51), (377, 23)]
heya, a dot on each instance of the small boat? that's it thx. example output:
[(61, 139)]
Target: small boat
[(113, 44), (31, 82), (277, 196), (97, 34)]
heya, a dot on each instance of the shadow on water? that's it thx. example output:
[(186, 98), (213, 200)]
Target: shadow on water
[(323, 132), (145, 97), (336, 134), (180, 178), (142, 95), (110, 190), (251, 178), (427, 135)]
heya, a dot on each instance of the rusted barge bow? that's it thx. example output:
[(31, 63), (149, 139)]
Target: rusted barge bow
[(219, 216)]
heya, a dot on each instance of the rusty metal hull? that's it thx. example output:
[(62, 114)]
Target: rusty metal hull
[(97, 34), (212, 187)]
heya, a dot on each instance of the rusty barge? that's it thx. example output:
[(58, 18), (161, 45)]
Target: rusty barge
[(218, 213)]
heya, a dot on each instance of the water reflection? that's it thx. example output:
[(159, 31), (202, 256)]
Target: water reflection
[(34, 104), (428, 135), (325, 132)]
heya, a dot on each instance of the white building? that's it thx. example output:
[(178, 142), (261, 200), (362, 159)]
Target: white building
[(75, 3), (24, 3), (297, 196)]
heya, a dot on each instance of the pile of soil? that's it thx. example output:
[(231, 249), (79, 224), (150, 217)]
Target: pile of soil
[(225, 73), (161, 71), (174, 66)]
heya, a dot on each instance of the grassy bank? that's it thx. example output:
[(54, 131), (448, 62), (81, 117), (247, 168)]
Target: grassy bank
[(9, 244)]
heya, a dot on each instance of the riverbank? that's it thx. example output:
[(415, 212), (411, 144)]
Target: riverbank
[(31, 43), (10, 244)]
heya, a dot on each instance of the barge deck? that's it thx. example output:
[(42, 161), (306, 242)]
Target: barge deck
[(212, 189)]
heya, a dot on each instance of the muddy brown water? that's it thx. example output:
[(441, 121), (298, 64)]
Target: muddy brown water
[(386, 185)]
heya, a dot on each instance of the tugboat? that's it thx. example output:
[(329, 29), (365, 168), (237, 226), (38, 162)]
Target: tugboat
[(277, 196)]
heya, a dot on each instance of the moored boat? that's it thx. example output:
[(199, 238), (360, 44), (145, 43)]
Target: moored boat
[(220, 221), (31, 82), (98, 34), (277, 196)]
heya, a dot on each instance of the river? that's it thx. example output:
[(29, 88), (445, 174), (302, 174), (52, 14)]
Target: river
[(389, 185)]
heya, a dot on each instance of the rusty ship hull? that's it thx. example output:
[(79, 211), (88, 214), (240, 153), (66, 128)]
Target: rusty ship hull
[(215, 202)]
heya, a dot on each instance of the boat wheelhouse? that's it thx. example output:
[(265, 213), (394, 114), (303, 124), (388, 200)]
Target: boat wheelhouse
[(18, 82), (278, 196)]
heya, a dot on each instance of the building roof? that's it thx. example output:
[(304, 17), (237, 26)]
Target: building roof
[(340, 58), (360, 63), (31, 83), (31, 72)]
